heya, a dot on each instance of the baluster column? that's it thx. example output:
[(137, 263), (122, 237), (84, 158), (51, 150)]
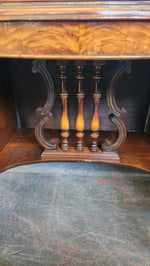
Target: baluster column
[(80, 96), (95, 123), (64, 95)]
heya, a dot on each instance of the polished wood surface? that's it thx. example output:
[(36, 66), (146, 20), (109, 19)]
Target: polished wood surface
[(79, 31), (80, 98), (64, 123), (95, 121), (75, 40), (74, 10)]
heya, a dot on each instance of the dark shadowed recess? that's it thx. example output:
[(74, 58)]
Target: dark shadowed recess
[(132, 93)]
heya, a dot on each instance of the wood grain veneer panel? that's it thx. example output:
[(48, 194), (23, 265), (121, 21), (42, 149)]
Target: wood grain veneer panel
[(72, 40), (43, 39), (115, 39)]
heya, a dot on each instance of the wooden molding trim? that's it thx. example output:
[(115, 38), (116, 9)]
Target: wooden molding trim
[(73, 10)]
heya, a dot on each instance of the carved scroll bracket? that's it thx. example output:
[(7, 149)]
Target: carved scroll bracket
[(44, 114), (117, 114)]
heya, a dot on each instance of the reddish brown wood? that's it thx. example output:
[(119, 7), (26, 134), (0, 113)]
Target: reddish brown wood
[(64, 95), (80, 96), (23, 149), (116, 114), (75, 40), (79, 30), (87, 156), (95, 123)]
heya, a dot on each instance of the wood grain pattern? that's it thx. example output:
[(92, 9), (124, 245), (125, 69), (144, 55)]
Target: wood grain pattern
[(84, 40), (119, 39), (70, 30), (74, 10), (37, 39)]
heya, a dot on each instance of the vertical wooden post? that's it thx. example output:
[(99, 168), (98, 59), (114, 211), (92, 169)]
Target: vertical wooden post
[(80, 97), (64, 95), (95, 123)]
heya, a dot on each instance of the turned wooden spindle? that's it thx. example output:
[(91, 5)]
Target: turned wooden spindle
[(95, 123), (64, 95), (80, 96)]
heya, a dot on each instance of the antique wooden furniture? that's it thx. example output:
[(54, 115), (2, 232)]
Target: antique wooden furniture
[(79, 31)]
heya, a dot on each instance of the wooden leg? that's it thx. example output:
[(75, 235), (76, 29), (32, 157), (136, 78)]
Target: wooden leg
[(80, 97), (44, 113), (64, 95), (116, 113)]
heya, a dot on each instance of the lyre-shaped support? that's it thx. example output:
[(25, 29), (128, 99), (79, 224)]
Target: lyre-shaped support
[(64, 95), (80, 97), (44, 113), (117, 114), (95, 123)]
